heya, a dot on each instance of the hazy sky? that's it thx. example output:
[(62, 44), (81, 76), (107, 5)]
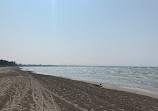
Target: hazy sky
[(83, 32)]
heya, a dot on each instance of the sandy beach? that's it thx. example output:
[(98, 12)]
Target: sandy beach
[(28, 91)]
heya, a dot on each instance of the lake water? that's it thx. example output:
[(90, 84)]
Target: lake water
[(140, 78)]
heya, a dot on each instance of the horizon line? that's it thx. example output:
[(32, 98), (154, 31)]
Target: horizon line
[(88, 65)]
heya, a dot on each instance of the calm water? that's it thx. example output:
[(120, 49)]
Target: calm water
[(145, 79)]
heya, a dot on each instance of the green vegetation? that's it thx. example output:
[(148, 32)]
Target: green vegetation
[(4, 63)]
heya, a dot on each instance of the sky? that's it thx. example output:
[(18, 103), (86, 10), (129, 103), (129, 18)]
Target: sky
[(79, 32)]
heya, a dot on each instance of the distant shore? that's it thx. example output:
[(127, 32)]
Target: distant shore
[(25, 90)]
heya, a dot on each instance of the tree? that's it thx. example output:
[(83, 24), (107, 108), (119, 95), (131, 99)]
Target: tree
[(4, 63)]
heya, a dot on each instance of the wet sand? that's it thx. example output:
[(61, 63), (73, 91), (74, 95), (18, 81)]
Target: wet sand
[(27, 91)]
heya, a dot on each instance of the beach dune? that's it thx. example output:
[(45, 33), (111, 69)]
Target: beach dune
[(27, 91)]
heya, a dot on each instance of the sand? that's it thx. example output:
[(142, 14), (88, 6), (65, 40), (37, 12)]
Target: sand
[(28, 91)]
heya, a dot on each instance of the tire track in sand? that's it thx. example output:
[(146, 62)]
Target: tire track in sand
[(26, 94), (19, 91)]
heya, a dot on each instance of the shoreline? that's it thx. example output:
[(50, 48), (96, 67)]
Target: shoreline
[(130, 90), (29, 91), (106, 85)]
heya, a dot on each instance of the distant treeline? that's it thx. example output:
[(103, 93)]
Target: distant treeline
[(7, 63)]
